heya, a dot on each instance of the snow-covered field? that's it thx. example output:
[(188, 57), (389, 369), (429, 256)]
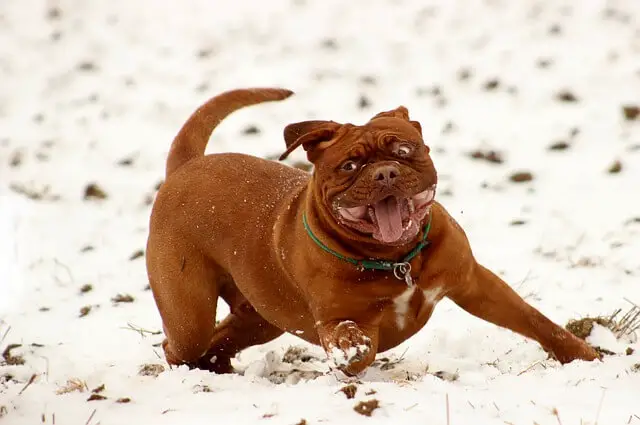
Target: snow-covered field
[(94, 91)]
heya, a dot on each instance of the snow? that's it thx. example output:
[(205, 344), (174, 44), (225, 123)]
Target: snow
[(88, 84)]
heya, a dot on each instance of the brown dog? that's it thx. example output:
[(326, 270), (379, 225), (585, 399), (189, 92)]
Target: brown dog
[(353, 257)]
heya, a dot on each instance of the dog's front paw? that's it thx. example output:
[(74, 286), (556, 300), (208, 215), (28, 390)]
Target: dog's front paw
[(574, 348), (348, 348)]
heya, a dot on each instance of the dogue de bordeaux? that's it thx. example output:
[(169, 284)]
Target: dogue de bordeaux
[(353, 257)]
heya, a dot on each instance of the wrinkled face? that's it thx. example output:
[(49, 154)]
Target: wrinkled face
[(378, 180)]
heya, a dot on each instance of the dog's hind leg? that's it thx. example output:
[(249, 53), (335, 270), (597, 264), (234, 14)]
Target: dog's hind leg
[(184, 285), (242, 328)]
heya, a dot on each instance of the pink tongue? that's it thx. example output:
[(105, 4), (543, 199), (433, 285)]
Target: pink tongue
[(389, 219)]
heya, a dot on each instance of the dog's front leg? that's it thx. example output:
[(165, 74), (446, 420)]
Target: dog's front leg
[(488, 297), (349, 345)]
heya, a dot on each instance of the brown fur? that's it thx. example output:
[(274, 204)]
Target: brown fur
[(230, 226)]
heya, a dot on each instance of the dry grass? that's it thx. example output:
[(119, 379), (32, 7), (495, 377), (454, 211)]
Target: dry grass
[(621, 326), (73, 384)]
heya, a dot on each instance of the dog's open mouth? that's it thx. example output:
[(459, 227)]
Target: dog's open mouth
[(391, 220)]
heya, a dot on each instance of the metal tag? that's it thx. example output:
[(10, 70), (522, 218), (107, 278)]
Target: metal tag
[(402, 271)]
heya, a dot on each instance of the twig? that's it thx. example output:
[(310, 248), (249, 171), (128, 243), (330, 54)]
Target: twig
[(66, 268), (604, 390), (447, 404), (140, 330), (531, 366), (90, 417), (5, 335), (557, 415), (29, 382)]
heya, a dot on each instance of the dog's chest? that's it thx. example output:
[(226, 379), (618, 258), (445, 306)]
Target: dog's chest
[(414, 304)]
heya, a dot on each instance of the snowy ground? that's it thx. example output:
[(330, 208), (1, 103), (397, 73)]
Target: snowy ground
[(93, 92)]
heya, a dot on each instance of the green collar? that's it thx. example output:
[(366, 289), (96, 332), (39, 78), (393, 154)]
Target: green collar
[(401, 270)]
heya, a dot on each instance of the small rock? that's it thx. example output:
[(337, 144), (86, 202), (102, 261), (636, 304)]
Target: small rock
[(560, 145), (544, 63), (448, 127), (138, 254), (364, 102), (521, 176), (126, 162), (87, 287), (330, 44), (631, 112), (366, 408), (629, 351), (85, 310), (368, 80), (251, 130), (87, 66), (615, 168), (54, 13), (491, 84), (123, 298), (489, 156), (349, 390), (16, 159), (555, 29), (93, 191), (464, 74), (566, 96), (96, 397), (98, 390)]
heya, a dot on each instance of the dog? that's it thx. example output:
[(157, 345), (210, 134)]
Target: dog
[(352, 257)]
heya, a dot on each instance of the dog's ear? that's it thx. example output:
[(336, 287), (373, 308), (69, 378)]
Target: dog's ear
[(308, 134), (402, 113)]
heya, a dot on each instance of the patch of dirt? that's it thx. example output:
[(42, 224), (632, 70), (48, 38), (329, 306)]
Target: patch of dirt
[(521, 177), (85, 310), (493, 157), (123, 298), (349, 390), (560, 145), (138, 254), (631, 112), (151, 369), (10, 359), (297, 354), (366, 408), (87, 287), (582, 327), (251, 130), (96, 397), (98, 390), (566, 96), (615, 167), (93, 191), (123, 400)]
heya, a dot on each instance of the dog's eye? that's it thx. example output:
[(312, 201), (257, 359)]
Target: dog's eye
[(349, 166), (403, 150)]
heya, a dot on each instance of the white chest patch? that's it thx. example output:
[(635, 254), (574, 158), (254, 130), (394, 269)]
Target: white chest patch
[(401, 303)]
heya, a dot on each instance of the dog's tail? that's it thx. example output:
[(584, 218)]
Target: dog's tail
[(192, 139)]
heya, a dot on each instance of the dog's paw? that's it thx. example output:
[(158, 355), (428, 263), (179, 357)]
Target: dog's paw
[(348, 347)]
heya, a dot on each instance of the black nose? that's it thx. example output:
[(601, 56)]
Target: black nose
[(386, 174)]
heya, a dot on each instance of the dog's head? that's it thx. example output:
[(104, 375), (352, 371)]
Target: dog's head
[(377, 179)]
